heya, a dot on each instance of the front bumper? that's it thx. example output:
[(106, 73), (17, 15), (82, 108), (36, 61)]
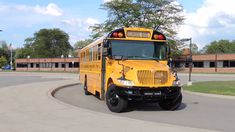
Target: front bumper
[(148, 94)]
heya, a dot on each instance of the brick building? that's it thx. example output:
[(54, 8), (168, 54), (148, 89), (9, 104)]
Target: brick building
[(48, 64), (224, 63)]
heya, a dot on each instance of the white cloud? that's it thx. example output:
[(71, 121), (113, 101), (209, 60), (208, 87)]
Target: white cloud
[(214, 20), (51, 9), (72, 22), (77, 23), (104, 1), (91, 21)]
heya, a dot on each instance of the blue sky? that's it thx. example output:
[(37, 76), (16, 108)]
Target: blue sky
[(206, 20)]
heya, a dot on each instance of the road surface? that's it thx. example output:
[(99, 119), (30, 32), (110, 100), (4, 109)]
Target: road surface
[(29, 106), (196, 111)]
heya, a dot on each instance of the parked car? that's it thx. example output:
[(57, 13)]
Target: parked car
[(6, 67)]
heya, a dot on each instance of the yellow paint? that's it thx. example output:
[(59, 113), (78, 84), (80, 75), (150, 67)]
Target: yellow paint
[(144, 73)]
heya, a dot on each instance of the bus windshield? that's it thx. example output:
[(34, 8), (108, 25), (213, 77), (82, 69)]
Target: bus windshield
[(142, 50)]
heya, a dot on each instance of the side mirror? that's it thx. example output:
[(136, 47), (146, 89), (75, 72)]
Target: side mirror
[(105, 51), (170, 62), (168, 49), (105, 43)]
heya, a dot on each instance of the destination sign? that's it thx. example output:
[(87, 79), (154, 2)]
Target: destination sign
[(138, 34)]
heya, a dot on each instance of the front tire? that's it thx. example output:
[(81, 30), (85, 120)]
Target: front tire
[(171, 104), (114, 102)]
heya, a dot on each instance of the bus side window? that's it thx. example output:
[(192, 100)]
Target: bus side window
[(87, 55), (95, 53), (83, 57), (99, 51), (90, 54)]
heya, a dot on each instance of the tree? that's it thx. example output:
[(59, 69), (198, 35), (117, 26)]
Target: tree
[(46, 43), (176, 50), (4, 51), (3, 61), (82, 43), (221, 46), (24, 52), (164, 14)]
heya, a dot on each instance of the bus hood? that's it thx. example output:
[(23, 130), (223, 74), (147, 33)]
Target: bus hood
[(145, 73)]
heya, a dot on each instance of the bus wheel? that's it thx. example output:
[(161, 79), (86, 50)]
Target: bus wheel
[(172, 104), (85, 88), (114, 102)]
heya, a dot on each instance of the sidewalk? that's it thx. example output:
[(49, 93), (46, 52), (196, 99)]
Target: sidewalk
[(30, 108)]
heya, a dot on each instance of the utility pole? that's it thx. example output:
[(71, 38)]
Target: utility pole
[(190, 63), (11, 57), (0, 31)]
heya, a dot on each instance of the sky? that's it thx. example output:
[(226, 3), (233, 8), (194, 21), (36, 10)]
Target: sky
[(205, 20)]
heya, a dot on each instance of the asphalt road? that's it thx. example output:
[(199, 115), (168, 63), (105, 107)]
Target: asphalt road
[(17, 78), (195, 111)]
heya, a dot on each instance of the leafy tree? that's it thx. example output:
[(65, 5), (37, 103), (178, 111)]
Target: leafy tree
[(3, 61), (164, 14), (176, 50), (4, 51), (82, 43), (46, 43), (221, 46), (24, 52)]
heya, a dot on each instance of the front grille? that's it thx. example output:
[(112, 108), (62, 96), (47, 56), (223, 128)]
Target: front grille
[(147, 77)]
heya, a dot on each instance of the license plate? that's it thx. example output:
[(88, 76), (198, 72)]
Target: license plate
[(152, 93)]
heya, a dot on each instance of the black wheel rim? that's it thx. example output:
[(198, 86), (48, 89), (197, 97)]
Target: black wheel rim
[(113, 98)]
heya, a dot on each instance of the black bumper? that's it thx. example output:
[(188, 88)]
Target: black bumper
[(148, 94)]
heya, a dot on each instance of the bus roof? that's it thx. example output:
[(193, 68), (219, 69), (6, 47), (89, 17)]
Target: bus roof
[(100, 40)]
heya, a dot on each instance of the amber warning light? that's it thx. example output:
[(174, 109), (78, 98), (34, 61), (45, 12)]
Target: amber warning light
[(117, 35), (158, 37), (136, 34)]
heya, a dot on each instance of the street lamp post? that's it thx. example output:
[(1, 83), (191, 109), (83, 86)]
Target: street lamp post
[(28, 57), (11, 63), (190, 63)]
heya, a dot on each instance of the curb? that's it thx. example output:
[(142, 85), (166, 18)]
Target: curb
[(166, 126), (210, 95), (54, 90)]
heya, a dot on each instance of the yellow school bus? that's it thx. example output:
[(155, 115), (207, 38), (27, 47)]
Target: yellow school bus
[(130, 64)]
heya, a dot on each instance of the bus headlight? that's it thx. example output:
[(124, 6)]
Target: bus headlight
[(126, 82), (176, 83)]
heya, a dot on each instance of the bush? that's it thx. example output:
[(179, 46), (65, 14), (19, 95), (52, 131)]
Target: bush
[(3, 61)]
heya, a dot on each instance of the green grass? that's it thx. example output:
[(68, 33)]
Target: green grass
[(213, 73), (209, 72), (215, 87)]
